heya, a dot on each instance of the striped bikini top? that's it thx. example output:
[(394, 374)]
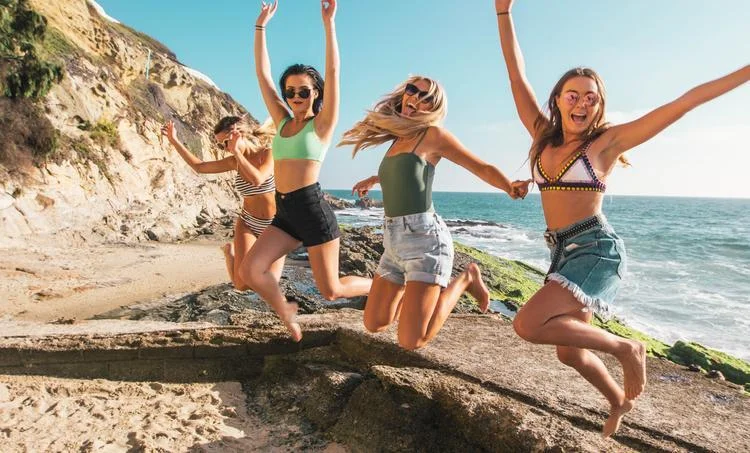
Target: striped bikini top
[(576, 175), (246, 189)]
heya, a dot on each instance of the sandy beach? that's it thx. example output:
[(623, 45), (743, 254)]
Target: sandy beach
[(48, 414), (47, 282)]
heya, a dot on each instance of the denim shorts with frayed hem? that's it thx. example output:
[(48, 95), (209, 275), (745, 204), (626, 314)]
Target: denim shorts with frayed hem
[(418, 247), (589, 260)]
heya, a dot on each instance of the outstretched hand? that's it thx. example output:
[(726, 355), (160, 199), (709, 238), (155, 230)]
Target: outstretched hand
[(363, 187), (502, 6), (328, 9), (168, 131), (267, 10), (519, 189)]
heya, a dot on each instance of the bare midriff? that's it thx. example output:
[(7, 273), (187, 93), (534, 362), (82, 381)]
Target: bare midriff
[(563, 208), (261, 206), (293, 174)]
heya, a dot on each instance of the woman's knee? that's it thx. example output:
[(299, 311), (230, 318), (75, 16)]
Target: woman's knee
[(524, 328), (330, 290), (572, 357), (375, 324)]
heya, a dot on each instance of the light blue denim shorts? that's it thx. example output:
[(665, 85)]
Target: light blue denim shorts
[(588, 259), (418, 247)]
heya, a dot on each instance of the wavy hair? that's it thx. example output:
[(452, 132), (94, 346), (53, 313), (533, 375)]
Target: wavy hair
[(260, 136), (385, 122), (549, 128)]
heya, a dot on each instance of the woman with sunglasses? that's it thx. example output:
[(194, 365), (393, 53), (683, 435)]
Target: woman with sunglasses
[(250, 148), (412, 283), (305, 121), (572, 155)]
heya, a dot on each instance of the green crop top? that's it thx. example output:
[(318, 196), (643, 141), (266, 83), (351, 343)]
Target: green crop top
[(305, 144)]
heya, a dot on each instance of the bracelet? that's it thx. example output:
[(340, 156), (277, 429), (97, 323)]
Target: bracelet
[(505, 13), (260, 27)]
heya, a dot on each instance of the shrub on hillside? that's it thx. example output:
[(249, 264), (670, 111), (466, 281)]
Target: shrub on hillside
[(25, 74)]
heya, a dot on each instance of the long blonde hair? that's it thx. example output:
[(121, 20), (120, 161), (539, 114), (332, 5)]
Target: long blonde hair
[(385, 122), (260, 136), (549, 129)]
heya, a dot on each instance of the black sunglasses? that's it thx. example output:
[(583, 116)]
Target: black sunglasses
[(303, 93), (412, 89)]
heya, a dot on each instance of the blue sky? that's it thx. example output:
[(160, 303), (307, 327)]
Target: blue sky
[(647, 52)]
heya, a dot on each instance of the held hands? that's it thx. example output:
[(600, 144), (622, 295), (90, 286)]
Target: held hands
[(364, 186), (267, 10), (328, 9), (519, 189), (502, 6)]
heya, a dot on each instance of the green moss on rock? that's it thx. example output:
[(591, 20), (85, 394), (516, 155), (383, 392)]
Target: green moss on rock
[(734, 369), (654, 347), (507, 280)]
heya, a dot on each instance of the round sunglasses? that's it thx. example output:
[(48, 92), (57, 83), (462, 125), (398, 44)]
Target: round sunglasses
[(303, 93), (589, 99), (423, 96)]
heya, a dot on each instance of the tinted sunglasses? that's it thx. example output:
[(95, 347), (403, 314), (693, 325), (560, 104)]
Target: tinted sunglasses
[(423, 96), (303, 93), (589, 99)]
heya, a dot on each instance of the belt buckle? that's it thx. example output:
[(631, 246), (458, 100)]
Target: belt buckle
[(550, 238)]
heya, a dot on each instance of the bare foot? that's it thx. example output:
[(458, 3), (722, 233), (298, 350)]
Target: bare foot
[(477, 288), (633, 362), (615, 417), (228, 250), (289, 318)]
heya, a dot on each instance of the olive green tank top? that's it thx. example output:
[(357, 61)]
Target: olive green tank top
[(305, 144), (406, 182)]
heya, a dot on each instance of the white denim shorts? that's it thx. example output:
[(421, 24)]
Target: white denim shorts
[(418, 247)]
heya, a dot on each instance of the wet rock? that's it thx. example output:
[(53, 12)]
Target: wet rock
[(734, 369), (367, 203), (337, 203), (471, 223), (361, 249)]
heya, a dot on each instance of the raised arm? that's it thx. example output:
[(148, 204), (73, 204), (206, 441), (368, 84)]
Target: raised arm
[(452, 149), (276, 107), (623, 137), (329, 115), (523, 95), (249, 172), (199, 166)]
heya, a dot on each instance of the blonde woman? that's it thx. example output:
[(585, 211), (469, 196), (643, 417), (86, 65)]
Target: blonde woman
[(412, 282), (573, 153), (250, 149), (305, 119)]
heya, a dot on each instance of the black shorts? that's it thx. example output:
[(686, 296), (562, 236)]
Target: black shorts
[(306, 216)]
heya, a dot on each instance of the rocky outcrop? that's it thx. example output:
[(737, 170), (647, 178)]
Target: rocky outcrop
[(477, 387), (111, 177), (337, 203), (367, 203)]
